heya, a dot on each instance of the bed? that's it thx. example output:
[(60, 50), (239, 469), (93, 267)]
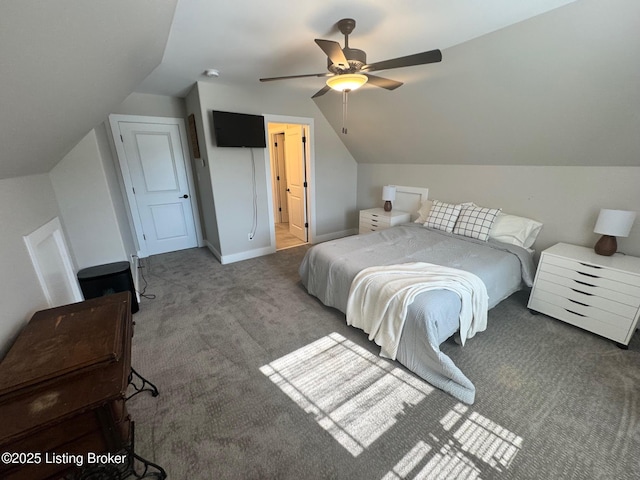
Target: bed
[(328, 269)]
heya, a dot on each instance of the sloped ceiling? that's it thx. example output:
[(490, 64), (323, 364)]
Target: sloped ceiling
[(64, 65), (560, 89)]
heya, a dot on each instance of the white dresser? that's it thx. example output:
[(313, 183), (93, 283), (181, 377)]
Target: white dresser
[(597, 293), (374, 219)]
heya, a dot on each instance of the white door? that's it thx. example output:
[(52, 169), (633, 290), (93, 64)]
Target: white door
[(296, 180), (156, 164)]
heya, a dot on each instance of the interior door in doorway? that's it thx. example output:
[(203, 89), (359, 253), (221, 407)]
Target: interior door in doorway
[(280, 191), (157, 168), (296, 180)]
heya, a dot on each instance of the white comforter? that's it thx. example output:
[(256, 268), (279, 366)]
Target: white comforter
[(380, 296)]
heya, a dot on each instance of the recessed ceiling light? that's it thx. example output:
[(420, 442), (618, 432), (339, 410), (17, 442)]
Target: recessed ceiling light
[(212, 72)]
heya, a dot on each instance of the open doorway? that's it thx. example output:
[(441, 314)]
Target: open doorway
[(289, 151)]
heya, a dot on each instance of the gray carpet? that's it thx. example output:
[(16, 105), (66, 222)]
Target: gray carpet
[(258, 380)]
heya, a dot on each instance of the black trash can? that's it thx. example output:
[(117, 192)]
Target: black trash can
[(108, 279)]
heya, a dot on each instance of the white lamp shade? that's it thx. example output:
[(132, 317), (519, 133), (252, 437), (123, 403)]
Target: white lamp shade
[(616, 223), (388, 193)]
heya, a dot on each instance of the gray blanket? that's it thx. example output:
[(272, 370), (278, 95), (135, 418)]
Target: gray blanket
[(328, 269)]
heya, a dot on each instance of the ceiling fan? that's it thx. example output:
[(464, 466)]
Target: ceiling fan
[(348, 68)]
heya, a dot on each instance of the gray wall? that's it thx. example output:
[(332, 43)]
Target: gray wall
[(566, 199), (26, 203), (558, 89), (230, 169), (86, 204)]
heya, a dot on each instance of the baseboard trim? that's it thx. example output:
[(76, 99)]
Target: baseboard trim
[(334, 235), (237, 257), (259, 252), (213, 250)]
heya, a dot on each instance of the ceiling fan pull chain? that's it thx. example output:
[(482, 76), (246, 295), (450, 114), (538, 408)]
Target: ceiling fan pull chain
[(344, 111)]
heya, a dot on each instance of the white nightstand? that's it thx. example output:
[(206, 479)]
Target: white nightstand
[(374, 219), (580, 287)]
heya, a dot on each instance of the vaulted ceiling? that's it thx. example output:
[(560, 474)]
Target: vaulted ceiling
[(66, 64)]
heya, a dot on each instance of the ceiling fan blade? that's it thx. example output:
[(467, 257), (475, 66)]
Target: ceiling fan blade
[(383, 82), (334, 52), (296, 76), (322, 91), (432, 56)]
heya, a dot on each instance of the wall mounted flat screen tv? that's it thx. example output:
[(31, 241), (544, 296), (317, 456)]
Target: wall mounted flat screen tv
[(238, 130)]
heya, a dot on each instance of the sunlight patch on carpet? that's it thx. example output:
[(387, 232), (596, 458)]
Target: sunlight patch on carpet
[(353, 394), (470, 443)]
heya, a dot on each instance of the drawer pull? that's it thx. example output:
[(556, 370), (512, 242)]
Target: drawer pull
[(588, 274), (584, 293), (575, 313), (588, 265), (584, 283), (579, 303)]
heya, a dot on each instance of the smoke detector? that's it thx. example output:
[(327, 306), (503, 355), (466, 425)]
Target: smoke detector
[(212, 73)]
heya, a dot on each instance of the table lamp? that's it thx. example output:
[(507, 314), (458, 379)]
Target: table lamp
[(388, 195), (612, 224)]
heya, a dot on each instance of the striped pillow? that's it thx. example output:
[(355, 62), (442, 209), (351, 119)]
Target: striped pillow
[(475, 221), (443, 216)]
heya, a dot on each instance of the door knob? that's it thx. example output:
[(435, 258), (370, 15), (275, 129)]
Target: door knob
[(184, 196), (288, 190)]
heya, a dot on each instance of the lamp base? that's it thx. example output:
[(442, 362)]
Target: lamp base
[(607, 245), (387, 206)]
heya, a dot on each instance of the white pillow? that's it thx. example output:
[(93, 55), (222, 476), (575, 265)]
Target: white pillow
[(443, 216), (423, 212), (515, 230), (475, 221)]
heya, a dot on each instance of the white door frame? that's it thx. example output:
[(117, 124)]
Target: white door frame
[(114, 119), (311, 174), (52, 230)]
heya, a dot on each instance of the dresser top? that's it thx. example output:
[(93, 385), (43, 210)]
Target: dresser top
[(66, 339), (617, 261), (382, 213)]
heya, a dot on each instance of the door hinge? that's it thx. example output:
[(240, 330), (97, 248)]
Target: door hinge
[(306, 225), (121, 139), (279, 209), (134, 190), (144, 236), (304, 139), (278, 178), (304, 184)]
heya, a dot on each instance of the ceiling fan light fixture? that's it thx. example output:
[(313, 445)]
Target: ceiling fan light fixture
[(347, 81)]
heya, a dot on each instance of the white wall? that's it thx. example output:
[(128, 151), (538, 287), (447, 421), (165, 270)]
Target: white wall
[(230, 169), (566, 199), (26, 203), (86, 204)]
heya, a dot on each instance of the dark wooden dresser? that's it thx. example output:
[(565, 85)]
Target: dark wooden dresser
[(62, 390)]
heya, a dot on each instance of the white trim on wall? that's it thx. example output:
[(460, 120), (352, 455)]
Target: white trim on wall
[(311, 174)]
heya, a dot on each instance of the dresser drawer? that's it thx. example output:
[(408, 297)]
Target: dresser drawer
[(594, 297), (582, 308), (589, 271), (616, 332), (375, 219), (618, 291), (374, 222)]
